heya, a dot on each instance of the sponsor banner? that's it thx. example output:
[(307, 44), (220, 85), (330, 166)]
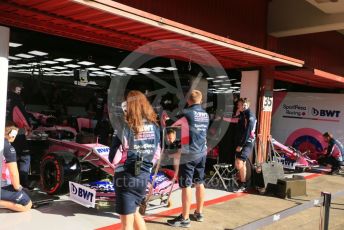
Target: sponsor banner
[(299, 119), (82, 195)]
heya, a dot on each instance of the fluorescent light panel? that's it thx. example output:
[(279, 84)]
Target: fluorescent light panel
[(49, 62), (14, 58), (107, 67), (86, 63), (13, 44), (59, 67), (72, 66), (126, 68), (24, 55), (63, 59), (38, 53)]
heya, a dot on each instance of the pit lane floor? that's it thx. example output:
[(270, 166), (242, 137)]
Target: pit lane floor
[(224, 211)]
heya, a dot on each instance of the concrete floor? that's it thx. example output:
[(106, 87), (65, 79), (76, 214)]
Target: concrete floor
[(246, 209), (224, 211)]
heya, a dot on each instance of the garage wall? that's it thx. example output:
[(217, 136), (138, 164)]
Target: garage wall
[(324, 51), (243, 20)]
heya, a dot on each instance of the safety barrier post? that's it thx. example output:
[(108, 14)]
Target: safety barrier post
[(325, 218)]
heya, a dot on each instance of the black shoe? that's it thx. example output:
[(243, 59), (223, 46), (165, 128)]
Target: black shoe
[(179, 222), (198, 217)]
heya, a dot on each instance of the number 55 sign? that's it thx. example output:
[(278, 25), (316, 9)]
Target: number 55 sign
[(267, 103)]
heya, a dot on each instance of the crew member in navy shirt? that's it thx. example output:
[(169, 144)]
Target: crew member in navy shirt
[(245, 138), (334, 153), (140, 143), (12, 195), (192, 159)]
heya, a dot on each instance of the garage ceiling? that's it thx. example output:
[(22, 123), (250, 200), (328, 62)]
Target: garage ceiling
[(112, 24)]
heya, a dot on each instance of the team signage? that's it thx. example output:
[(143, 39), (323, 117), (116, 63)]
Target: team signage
[(82, 195), (300, 119), (304, 111)]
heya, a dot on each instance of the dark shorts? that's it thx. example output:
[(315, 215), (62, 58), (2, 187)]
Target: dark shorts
[(246, 151), (192, 172), (9, 194), (335, 163), (130, 191)]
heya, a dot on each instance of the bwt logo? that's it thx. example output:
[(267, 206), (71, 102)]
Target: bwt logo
[(103, 150), (325, 112), (82, 193)]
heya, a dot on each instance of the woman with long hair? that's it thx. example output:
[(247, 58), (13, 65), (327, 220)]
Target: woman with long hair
[(140, 140)]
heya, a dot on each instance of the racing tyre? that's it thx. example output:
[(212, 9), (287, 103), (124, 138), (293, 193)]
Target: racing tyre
[(57, 169)]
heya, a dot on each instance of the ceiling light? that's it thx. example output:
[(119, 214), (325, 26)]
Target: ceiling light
[(145, 72), (99, 72), (86, 63), (49, 62), (24, 55), (33, 63), (210, 78), (132, 73), (110, 71), (235, 87), (23, 65), (277, 90), (126, 68), (237, 83), (12, 44), (107, 67), (222, 76), (222, 88), (226, 84), (93, 69), (13, 58), (71, 65), (63, 59), (157, 70), (47, 69), (59, 67), (144, 69), (218, 81), (171, 68), (38, 53)]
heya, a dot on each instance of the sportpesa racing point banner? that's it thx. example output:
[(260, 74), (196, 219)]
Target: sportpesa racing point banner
[(300, 119)]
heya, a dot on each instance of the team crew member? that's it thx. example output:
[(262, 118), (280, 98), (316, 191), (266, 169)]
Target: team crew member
[(140, 140), (193, 157), (245, 142), (16, 113), (172, 150), (12, 195), (334, 154)]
